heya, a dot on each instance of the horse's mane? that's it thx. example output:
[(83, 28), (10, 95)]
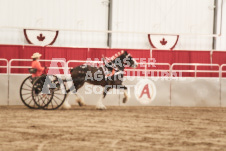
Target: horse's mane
[(118, 55)]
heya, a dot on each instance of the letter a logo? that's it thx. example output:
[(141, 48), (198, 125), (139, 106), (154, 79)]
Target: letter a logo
[(145, 91)]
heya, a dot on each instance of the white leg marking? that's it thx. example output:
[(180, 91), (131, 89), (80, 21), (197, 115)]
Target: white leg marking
[(126, 97), (100, 105), (66, 104), (80, 100)]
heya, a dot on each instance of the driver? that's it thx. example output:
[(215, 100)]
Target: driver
[(36, 64)]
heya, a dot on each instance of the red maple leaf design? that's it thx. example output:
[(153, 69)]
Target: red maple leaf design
[(40, 37), (163, 42)]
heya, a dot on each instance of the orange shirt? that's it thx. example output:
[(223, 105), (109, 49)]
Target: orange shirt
[(40, 69)]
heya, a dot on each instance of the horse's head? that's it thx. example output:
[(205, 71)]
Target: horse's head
[(123, 59), (128, 60)]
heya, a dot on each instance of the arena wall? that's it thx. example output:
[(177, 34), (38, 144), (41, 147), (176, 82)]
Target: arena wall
[(15, 82), (223, 92), (190, 92), (196, 92), (3, 89), (204, 90)]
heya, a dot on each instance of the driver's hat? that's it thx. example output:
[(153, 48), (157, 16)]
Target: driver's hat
[(36, 55)]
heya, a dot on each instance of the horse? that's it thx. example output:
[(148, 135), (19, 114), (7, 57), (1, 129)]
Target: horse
[(87, 73)]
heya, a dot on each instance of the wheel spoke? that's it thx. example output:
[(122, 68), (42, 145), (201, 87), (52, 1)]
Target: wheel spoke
[(46, 98), (57, 98), (38, 100), (30, 102), (55, 101), (25, 93), (43, 100), (27, 98), (26, 89), (27, 85)]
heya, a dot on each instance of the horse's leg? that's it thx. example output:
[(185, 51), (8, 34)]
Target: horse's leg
[(100, 105), (66, 105), (126, 96), (79, 99)]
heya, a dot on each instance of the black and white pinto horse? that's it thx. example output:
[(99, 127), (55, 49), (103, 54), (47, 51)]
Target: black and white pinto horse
[(86, 73)]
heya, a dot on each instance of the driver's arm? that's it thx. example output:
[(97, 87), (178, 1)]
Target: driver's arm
[(39, 67)]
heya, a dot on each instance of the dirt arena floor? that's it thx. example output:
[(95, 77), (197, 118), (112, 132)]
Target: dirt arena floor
[(118, 128)]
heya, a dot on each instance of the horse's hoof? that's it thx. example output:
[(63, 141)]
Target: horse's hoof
[(126, 97), (124, 100), (80, 102), (66, 105), (101, 108)]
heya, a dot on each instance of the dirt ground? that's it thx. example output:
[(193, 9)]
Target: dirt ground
[(117, 128)]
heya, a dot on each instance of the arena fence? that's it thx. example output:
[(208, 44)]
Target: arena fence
[(4, 65), (4, 81), (173, 87), (26, 63), (205, 71)]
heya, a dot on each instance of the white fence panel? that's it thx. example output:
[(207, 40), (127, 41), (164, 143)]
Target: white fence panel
[(185, 91), (162, 92), (4, 89), (193, 91), (15, 81), (196, 92), (223, 92), (4, 83), (223, 85)]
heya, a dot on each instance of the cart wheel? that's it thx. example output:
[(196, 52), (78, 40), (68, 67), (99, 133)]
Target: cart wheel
[(26, 94), (50, 96)]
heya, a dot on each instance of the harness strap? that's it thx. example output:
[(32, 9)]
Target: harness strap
[(111, 74)]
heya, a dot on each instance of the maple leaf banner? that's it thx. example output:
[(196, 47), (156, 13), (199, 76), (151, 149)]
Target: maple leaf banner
[(165, 42), (40, 37)]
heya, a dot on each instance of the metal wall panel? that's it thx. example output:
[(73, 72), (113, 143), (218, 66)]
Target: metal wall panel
[(223, 92), (163, 16), (56, 14), (162, 93), (199, 92), (14, 89), (221, 24), (4, 89), (195, 92)]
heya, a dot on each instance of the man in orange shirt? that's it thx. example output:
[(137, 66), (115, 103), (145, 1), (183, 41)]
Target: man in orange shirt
[(36, 64)]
